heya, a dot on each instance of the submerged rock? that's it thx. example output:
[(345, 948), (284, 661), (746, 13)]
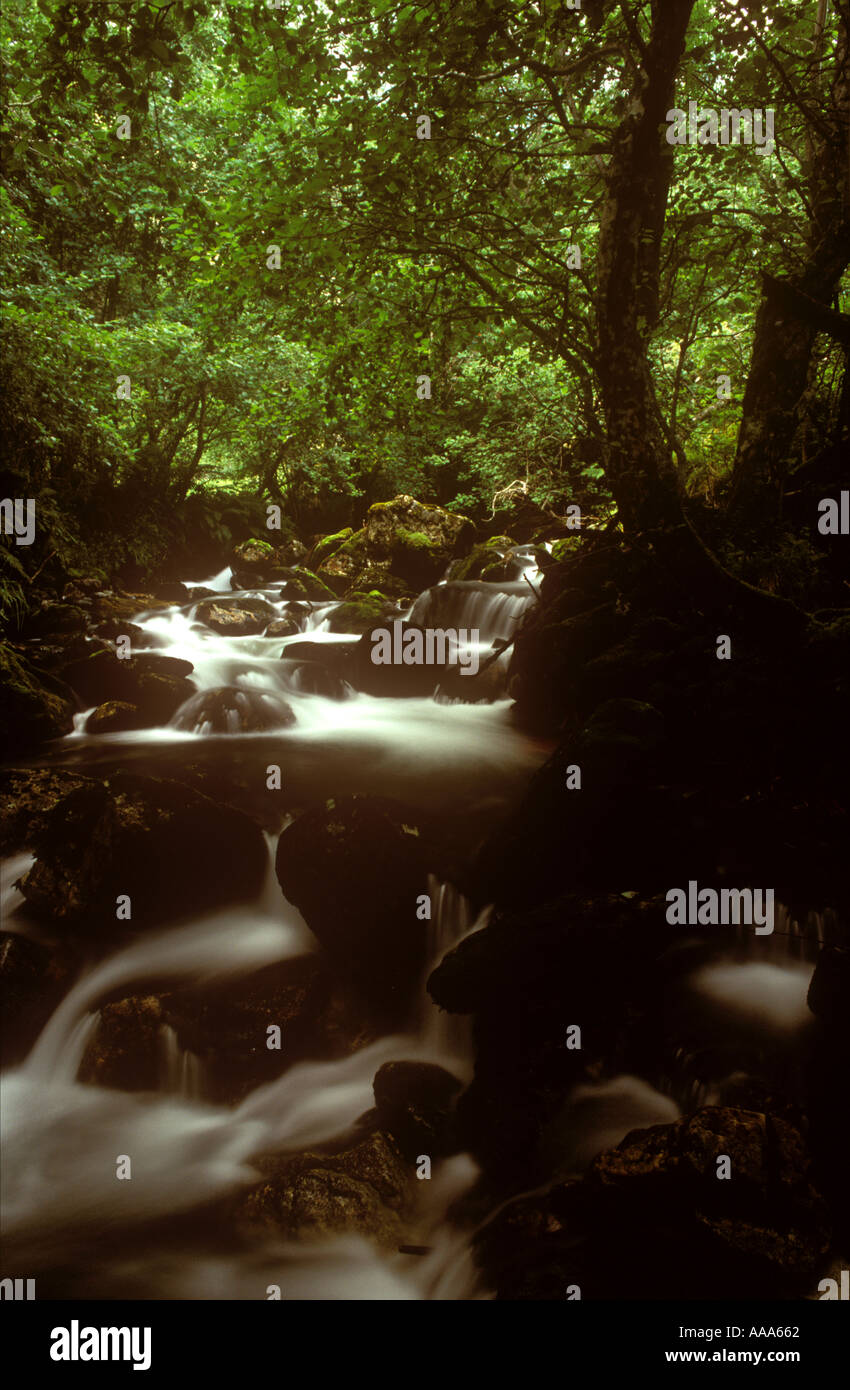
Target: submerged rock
[(231, 709), (170, 850)]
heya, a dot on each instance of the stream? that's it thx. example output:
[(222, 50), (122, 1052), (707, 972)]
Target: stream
[(86, 1236)]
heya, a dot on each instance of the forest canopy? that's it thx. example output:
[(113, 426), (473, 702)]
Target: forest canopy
[(321, 253)]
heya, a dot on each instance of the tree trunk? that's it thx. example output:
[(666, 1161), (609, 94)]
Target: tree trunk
[(786, 325), (640, 465)]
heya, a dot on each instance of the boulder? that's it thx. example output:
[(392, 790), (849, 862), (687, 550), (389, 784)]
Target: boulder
[(231, 709), (418, 539), (361, 612), (27, 797), (301, 583), (34, 706), (651, 1216), (354, 868), (257, 563), (126, 1052), (156, 685), (283, 627), (328, 546), (244, 617), (113, 717), (313, 678), (171, 850), (415, 1103), (54, 619), (364, 1191)]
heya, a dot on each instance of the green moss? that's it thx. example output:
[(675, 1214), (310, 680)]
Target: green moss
[(413, 540), (359, 613), (327, 547)]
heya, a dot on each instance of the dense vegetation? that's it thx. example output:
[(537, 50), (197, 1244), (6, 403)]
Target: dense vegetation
[(566, 288)]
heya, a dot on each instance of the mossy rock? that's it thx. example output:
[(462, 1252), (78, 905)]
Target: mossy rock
[(565, 547), (327, 547), (482, 562), (33, 706), (301, 583), (360, 613)]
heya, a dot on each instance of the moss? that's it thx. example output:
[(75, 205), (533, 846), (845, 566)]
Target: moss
[(329, 545), (266, 548), (33, 707), (414, 540), (359, 613), (565, 547)]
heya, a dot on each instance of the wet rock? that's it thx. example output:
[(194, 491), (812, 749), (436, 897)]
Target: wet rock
[(417, 539), (651, 1215), (172, 592), (170, 850), (27, 797), (415, 1103), (257, 563), (602, 826), (54, 619), (112, 628), (487, 685), (360, 1191), (113, 717), (311, 678), (33, 979), (126, 1053), (338, 658), (34, 706), (230, 709), (156, 685), (328, 546), (354, 868), (301, 583), (243, 618), (392, 680), (283, 627), (360, 613)]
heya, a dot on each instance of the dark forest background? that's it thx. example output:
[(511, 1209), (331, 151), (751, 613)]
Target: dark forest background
[(563, 378)]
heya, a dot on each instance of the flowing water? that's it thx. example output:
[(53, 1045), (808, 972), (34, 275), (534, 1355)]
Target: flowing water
[(86, 1234)]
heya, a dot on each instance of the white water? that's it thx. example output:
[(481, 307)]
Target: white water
[(63, 1204)]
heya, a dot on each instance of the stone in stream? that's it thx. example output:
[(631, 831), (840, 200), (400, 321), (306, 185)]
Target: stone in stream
[(283, 627), (415, 1103), (156, 685), (170, 850), (27, 797), (33, 979), (244, 617), (354, 868), (312, 678), (651, 1219), (231, 709), (256, 563), (365, 1190), (113, 717)]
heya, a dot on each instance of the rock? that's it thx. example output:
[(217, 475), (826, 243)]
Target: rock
[(283, 627), (32, 982), (256, 563), (485, 562), (171, 850), (230, 709), (417, 539), (243, 618), (156, 685), (338, 658), (328, 546), (311, 678), (34, 706), (829, 991), (487, 685), (603, 827), (27, 797), (354, 868), (360, 613), (360, 1191), (172, 592), (113, 717), (392, 680), (651, 1215), (55, 619), (126, 1052), (415, 1104), (112, 628), (301, 583)]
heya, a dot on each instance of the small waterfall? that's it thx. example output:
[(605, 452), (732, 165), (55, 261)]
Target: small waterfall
[(493, 609), (181, 1071)]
